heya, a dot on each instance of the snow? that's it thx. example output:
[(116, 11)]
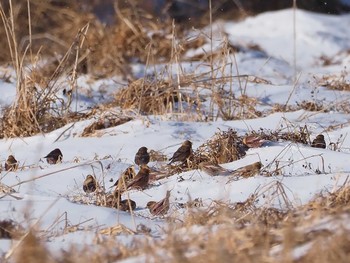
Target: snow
[(48, 201), (316, 35)]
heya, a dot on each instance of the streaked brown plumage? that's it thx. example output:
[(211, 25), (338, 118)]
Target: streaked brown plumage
[(319, 142), (161, 207), (114, 200), (125, 205), (253, 141), (125, 178), (182, 153), (90, 184), (11, 163), (54, 156), (156, 174), (142, 156), (141, 179), (248, 170), (213, 169)]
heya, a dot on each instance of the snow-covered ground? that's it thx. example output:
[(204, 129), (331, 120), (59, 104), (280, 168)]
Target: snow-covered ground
[(48, 202)]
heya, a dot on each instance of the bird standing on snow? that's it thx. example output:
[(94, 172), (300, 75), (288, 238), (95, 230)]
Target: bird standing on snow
[(182, 153), (248, 170), (142, 156), (114, 200), (141, 179), (90, 184), (125, 178), (213, 169), (319, 142), (11, 163), (54, 156), (253, 141), (161, 207), (126, 205)]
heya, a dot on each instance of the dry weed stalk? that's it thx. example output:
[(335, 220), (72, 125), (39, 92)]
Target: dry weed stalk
[(36, 108)]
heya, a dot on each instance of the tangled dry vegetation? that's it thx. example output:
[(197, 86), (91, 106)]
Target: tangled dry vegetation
[(56, 41), (228, 146), (81, 44), (242, 231)]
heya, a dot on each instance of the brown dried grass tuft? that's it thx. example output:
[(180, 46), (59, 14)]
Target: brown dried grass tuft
[(335, 82), (329, 248), (243, 107), (37, 107), (296, 135), (252, 233), (312, 106), (157, 156), (223, 147), (335, 201), (104, 122), (32, 250), (53, 26), (151, 96)]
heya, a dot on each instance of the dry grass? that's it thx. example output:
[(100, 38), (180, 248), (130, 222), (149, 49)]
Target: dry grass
[(105, 120), (72, 43), (335, 82), (244, 231), (223, 147), (228, 146), (151, 96), (249, 233), (37, 107)]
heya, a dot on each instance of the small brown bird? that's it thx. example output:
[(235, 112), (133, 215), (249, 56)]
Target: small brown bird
[(125, 178), (213, 169), (114, 200), (11, 163), (319, 142), (54, 156), (90, 184), (142, 156), (182, 153), (253, 141), (141, 179), (126, 204), (159, 208), (248, 170)]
